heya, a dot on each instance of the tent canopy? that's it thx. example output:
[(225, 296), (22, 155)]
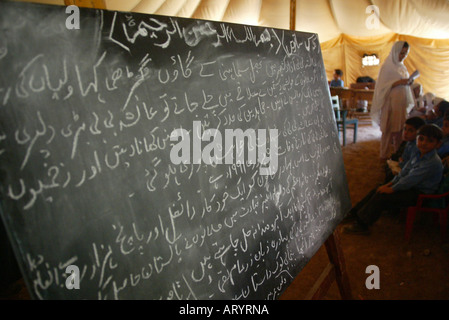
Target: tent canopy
[(347, 29)]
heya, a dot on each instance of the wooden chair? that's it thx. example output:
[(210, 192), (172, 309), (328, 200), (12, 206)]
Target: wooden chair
[(345, 96), (342, 121), (336, 106), (433, 203)]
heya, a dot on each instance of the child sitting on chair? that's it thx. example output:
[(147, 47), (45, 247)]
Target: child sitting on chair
[(421, 174), (407, 148), (337, 81), (436, 114)]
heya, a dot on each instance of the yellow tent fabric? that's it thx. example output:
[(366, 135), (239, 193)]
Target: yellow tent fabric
[(347, 29), (429, 56)]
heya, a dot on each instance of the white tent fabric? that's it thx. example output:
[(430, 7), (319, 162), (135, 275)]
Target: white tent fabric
[(329, 18), (346, 28)]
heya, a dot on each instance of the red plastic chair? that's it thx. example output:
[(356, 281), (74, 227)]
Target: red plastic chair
[(442, 213)]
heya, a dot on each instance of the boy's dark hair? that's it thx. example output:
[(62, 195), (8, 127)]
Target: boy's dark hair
[(339, 72), (415, 122), (431, 131), (443, 106)]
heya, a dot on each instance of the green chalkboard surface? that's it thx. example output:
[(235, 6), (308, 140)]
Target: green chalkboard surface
[(161, 157)]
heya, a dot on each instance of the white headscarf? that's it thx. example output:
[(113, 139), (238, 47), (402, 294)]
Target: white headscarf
[(391, 71), (419, 100), (428, 98)]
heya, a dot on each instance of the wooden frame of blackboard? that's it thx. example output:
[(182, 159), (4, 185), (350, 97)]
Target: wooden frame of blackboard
[(334, 271)]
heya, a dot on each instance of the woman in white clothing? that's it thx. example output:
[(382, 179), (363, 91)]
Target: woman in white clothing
[(392, 99)]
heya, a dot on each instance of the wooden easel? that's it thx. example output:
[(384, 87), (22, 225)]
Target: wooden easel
[(334, 271)]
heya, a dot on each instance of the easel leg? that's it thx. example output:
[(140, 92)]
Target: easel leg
[(335, 270), (336, 257)]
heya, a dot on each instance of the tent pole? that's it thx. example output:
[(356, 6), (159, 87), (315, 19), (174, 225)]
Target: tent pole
[(293, 15)]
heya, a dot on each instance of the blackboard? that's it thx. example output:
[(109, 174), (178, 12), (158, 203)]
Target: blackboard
[(97, 172)]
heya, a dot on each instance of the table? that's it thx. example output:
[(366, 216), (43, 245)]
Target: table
[(348, 100), (350, 96)]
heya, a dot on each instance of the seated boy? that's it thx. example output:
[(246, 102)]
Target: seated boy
[(407, 148), (421, 174), (337, 81), (436, 114)]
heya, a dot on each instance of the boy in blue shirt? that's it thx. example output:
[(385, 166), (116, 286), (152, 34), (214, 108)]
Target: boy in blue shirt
[(337, 81), (407, 149), (421, 174)]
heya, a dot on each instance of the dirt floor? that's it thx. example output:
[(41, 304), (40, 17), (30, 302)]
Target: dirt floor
[(408, 271)]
